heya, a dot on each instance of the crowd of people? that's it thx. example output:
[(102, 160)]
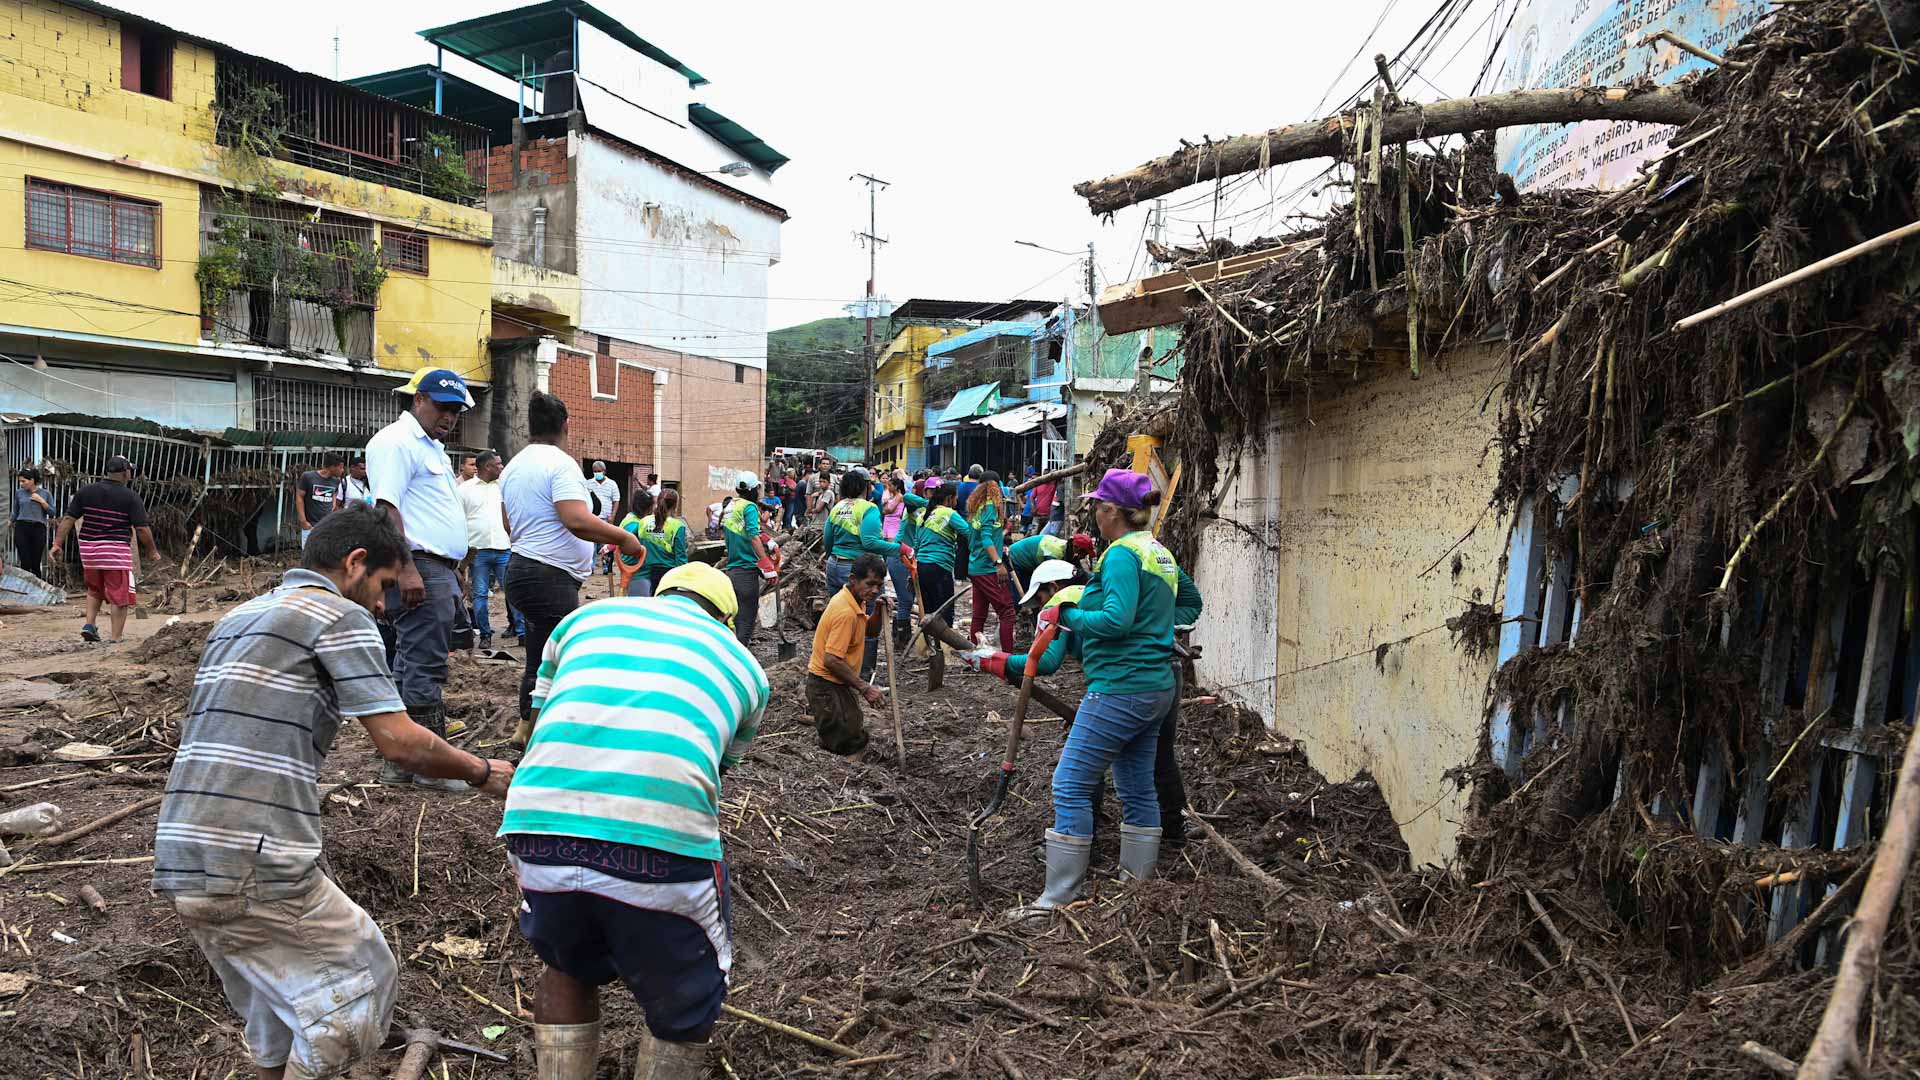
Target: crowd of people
[(632, 707)]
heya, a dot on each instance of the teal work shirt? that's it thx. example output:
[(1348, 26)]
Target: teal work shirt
[(741, 523), (1187, 602), (1034, 550), (937, 537), (909, 528), (985, 535), (666, 546), (853, 527), (1124, 621)]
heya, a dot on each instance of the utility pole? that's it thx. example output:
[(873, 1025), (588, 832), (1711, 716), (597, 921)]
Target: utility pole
[(336, 54), (1073, 406), (874, 184)]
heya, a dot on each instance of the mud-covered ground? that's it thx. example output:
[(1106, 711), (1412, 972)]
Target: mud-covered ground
[(854, 922)]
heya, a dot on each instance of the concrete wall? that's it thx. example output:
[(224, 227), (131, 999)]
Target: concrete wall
[(667, 261), (441, 318), (534, 173), (1236, 635), (515, 378), (1372, 482)]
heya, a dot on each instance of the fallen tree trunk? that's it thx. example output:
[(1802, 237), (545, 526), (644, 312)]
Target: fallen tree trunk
[(938, 630), (1327, 137)]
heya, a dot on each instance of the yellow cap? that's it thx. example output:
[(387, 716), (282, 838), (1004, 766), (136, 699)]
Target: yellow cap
[(703, 580)]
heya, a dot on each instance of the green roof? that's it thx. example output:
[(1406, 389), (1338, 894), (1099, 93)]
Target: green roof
[(741, 141), (501, 41), (459, 99)]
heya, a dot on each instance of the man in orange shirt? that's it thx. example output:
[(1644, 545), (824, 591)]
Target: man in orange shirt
[(833, 672)]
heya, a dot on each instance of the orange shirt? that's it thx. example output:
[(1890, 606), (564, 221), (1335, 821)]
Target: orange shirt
[(842, 632)]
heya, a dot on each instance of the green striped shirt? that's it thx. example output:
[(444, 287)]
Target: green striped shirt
[(641, 703)]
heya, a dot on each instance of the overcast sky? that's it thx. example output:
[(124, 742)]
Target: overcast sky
[(981, 116)]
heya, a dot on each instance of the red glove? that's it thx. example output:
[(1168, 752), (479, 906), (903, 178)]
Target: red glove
[(767, 570), (906, 553), (1049, 616), (995, 665)]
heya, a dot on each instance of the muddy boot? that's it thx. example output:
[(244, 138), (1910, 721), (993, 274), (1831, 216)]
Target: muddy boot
[(522, 734), (902, 633), (566, 1051), (434, 719), (1139, 850), (1067, 858), (662, 1060)]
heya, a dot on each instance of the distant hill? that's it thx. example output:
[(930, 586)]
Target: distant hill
[(816, 383)]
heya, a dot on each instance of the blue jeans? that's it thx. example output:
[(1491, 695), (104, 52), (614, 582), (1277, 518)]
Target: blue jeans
[(490, 569), (1118, 730), (902, 589)]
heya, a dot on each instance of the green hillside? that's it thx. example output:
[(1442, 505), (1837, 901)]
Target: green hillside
[(816, 383)]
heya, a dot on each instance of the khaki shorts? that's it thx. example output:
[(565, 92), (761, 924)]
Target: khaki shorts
[(311, 977)]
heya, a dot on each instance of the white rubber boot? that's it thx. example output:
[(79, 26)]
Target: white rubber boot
[(662, 1060), (566, 1051), (1067, 859), (1139, 850)]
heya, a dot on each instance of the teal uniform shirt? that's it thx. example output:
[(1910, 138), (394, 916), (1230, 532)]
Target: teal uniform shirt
[(741, 523), (1034, 550), (1125, 618), (984, 533), (853, 527), (1187, 603), (666, 546), (1064, 644), (937, 537), (909, 522)]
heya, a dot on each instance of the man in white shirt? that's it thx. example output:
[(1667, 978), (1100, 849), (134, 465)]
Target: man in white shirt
[(554, 533), (606, 500), (487, 542), (407, 469)]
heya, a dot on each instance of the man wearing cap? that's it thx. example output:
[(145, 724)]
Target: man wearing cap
[(110, 515), (748, 565), (612, 823), (408, 471), (606, 495)]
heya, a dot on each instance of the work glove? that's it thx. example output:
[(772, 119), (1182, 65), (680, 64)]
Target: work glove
[(1049, 616), (906, 554), (768, 571), (991, 661)]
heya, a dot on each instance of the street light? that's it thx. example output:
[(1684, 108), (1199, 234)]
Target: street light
[(731, 168)]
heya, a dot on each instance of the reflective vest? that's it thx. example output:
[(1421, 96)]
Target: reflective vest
[(735, 519), (1053, 547), (1068, 595), (662, 538), (1154, 558), (940, 522), (847, 514)]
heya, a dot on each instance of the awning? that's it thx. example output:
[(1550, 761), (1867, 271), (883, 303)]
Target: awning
[(738, 139), (537, 32), (984, 333), (459, 98), (1023, 418), (969, 403)]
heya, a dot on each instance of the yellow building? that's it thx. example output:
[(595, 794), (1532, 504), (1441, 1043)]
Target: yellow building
[(204, 238), (899, 407)]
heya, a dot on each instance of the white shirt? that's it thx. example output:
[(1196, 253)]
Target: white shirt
[(356, 490), (410, 471), (609, 493), (537, 478), (481, 500)]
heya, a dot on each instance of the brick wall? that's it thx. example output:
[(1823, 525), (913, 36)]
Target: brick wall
[(66, 56), (542, 161), (619, 430)]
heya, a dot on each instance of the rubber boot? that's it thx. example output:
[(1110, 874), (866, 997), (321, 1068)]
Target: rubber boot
[(566, 1051), (434, 719), (1067, 859), (662, 1060), (1139, 850), (522, 733)]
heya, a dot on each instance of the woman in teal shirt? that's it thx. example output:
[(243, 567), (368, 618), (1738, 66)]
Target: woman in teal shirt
[(896, 524), (937, 532), (853, 528), (987, 566), (665, 536), (1123, 630)]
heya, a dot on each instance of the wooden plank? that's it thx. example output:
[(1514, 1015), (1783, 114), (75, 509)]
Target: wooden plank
[(1870, 706), (1776, 667), (1160, 300), (1519, 628), (1823, 678)]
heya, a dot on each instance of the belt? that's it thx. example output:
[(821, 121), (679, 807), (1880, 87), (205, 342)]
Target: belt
[(422, 553)]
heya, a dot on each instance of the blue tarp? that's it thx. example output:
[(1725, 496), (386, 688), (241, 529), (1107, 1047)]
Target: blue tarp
[(985, 333)]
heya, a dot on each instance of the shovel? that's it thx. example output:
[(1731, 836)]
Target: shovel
[(788, 650), (1040, 643)]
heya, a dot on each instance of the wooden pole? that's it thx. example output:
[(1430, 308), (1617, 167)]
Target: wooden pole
[(1052, 477), (1815, 269), (1052, 702), (1835, 1046), (1329, 136), (893, 693)]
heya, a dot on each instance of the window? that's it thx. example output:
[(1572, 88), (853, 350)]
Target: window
[(405, 249), (146, 63), (92, 223), (739, 373)]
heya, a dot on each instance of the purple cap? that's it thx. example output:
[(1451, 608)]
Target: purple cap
[(1123, 487)]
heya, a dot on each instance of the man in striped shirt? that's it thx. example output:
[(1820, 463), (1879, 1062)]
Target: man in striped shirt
[(110, 514), (613, 821), (239, 836)]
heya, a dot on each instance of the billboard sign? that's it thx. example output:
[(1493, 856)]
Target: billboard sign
[(1570, 43)]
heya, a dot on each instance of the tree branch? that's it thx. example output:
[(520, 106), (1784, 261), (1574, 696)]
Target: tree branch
[(1327, 137)]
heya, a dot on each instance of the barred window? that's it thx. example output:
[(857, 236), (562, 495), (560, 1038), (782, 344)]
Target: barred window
[(96, 224), (405, 249)]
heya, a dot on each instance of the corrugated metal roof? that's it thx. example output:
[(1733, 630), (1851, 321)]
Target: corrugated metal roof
[(741, 141), (459, 98), (971, 402), (1023, 418), (984, 333), (538, 31)]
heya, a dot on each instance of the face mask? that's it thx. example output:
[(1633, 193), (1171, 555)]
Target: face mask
[(599, 476)]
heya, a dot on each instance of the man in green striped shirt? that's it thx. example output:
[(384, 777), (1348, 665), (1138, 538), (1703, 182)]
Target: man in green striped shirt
[(613, 825)]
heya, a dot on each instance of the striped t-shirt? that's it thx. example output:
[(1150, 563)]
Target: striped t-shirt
[(241, 813), (641, 703), (108, 513)]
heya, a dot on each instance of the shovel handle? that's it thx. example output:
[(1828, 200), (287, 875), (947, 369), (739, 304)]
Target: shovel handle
[(1034, 652)]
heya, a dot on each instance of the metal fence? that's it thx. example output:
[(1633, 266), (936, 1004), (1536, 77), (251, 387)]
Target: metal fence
[(239, 496)]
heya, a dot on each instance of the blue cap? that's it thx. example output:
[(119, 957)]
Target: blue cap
[(439, 384)]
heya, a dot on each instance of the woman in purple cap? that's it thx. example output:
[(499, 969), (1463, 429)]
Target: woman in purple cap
[(1124, 628)]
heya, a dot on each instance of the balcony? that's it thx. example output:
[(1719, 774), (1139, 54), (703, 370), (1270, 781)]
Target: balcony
[(273, 276), (311, 121)]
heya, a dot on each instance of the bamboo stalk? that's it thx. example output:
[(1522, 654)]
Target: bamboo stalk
[(1850, 342), (1746, 542), (790, 1031), (1407, 258), (1814, 269)]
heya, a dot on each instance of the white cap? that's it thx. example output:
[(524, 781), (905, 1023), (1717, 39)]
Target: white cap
[(1046, 573), (748, 479)]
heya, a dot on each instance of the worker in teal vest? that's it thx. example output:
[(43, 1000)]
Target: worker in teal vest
[(1029, 553), (748, 564), (897, 508), (665, 536), (1123, 626), (852, 529), (635, 576), (936, 540)]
